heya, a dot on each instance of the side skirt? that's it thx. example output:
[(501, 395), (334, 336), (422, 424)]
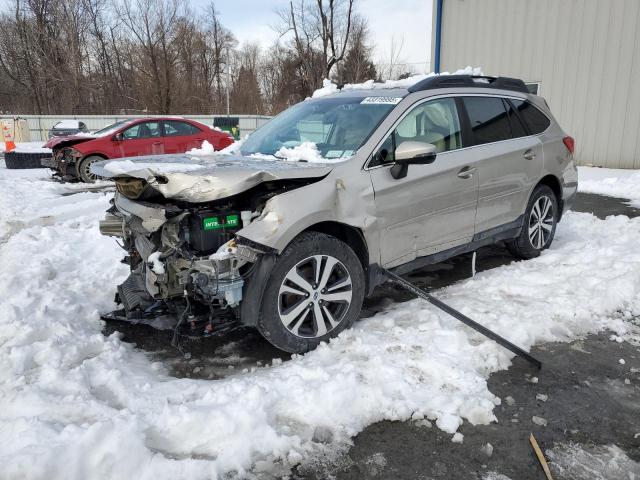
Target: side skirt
[(482, 239)]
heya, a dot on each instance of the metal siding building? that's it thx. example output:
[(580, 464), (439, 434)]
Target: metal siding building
[(585, 55)]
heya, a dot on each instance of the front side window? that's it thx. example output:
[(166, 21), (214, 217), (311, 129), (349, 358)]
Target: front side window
[(176, 129), (488, 118), (142, 130), (435, 122), (336, 126)]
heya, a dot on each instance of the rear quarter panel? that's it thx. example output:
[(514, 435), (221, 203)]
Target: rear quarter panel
[(559, 162)]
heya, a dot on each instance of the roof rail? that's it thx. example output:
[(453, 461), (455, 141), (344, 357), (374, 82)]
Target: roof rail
[(469, 81)]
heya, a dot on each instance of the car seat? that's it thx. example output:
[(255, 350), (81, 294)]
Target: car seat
[(144, 131)]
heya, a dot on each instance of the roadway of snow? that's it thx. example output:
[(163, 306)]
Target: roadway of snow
[(75, 404), (612, 182)]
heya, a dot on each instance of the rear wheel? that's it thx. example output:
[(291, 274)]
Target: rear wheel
[(84, 169), (314, 292), (539, 227)]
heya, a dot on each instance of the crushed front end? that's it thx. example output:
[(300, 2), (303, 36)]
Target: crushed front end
[(187, 269), (63, 163)]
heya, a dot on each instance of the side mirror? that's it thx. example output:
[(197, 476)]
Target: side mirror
[(412, 153), (118, 137)]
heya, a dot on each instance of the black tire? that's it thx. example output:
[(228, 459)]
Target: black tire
[(18, 160), (529, 245), (341, 312), (83, 172)]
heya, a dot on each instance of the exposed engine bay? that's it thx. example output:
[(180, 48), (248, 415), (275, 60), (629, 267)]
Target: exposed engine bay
[(188, 267)]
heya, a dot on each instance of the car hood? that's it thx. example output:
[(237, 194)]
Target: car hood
[(66, 141), (205, 178)]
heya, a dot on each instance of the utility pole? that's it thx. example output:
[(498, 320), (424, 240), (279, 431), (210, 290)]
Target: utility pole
[(228, 77)]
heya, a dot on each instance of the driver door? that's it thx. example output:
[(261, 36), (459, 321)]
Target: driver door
[(144, 138), (433, 208)]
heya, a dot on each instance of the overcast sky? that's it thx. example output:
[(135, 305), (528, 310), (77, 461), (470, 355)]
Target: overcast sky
[(405, 20)]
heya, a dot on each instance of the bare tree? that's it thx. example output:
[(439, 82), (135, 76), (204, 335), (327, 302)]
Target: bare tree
[(156, 56), (357, 65), (319, 34)]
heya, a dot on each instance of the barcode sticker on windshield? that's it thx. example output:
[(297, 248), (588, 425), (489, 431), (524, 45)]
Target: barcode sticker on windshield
[(382, 100)]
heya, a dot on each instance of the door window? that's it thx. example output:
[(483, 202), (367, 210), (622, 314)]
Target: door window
[(177, 129), (435, 122), (517, 128), (142, 130), (488, 118), (534, 118)]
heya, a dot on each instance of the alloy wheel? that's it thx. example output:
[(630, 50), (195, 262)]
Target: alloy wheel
[(541, 222), (86, 168), (314, 296)]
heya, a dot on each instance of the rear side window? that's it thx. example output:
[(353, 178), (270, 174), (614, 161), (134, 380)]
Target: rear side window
[(517, 128), (534, 118), (177, 129), (488, 118)]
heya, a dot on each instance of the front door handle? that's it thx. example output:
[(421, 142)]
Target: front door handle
[(466, 172), (529, 155)]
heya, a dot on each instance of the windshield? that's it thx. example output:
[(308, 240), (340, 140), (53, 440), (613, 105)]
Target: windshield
[(112, 128), (337, 127)]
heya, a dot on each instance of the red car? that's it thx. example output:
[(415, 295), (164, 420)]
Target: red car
[(73, 155)]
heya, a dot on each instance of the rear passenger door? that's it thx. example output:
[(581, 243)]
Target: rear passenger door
[(509, 161), (181, 136)]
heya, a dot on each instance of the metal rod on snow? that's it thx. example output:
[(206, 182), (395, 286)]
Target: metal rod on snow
[(463, 318)]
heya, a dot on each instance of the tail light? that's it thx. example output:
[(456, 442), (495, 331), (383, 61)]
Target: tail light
[(570, 143)]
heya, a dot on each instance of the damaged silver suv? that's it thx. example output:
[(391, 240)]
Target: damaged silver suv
[(293, 230)]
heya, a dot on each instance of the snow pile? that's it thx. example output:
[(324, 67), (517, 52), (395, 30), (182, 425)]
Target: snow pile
[(611, 182), (306, 151), (27, 147), (205, 149), (126, 166), (75, 404), (329, 88)]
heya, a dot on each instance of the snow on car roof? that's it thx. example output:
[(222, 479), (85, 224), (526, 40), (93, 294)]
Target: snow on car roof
[(329, 88), (67, 124)]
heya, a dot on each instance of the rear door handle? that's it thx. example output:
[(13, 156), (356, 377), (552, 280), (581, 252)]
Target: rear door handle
[(466, 172), (529, 155)]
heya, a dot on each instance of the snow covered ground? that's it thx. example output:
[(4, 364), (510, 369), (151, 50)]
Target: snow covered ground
[(612, 182), (75, 404)]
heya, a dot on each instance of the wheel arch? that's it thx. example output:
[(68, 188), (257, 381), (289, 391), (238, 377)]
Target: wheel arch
[(254, 290), (554, 184), (95, 154), (349, 234)]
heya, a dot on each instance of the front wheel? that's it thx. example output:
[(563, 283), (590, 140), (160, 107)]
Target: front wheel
[(314, 292), (539, 226), (84, 169)]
